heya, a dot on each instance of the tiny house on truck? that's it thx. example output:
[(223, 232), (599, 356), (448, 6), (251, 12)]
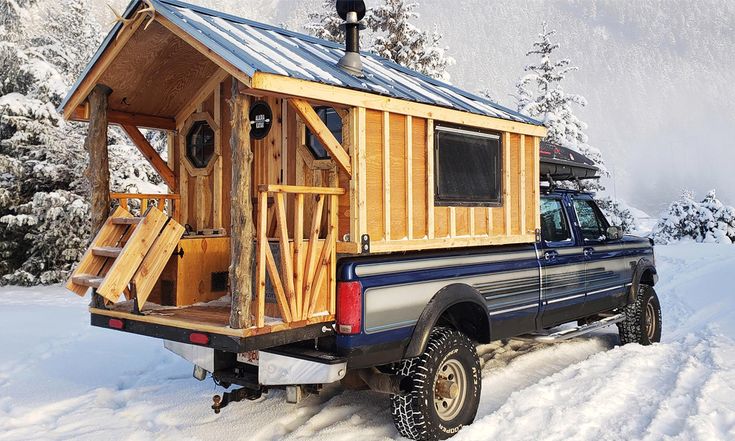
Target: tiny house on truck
[(286, 153)]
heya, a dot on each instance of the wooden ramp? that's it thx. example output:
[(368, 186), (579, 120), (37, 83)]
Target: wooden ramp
[(128, 252)]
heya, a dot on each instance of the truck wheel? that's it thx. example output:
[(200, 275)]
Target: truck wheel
[(642, 322), (445, 391)]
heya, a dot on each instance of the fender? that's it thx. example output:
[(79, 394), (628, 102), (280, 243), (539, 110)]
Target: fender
[(645, 265), (443, 300)]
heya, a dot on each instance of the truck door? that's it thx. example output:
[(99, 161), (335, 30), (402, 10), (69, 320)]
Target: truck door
[(607, 269), (562, 264)]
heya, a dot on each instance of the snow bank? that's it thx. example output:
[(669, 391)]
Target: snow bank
[(62, 379)]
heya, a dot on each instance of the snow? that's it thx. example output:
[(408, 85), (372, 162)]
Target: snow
[(62, 379)]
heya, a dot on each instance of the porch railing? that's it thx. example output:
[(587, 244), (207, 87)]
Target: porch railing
[(305, 261), (138, 203)]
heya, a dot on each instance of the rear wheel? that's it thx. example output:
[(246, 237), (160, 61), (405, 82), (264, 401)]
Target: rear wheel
[(446, 388), (642, 322)]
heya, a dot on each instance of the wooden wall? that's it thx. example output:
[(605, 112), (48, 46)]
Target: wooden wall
[(398, 191)]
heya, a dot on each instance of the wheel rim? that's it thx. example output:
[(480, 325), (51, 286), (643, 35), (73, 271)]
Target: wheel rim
[(450, 389), (650, 320)]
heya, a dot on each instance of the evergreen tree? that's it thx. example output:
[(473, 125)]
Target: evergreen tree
[(325, 23), (540, 95), (397, 39), (687, 219)]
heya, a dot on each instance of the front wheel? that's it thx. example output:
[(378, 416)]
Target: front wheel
[(642, 322), (446, 388)]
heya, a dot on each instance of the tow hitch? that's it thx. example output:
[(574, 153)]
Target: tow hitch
[(235, 396)]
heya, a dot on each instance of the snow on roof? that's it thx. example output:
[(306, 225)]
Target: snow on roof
[(256, 47)]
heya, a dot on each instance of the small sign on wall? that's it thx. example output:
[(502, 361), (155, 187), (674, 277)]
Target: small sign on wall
[(261, 120)]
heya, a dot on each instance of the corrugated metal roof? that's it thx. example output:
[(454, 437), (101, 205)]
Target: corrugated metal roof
[(256, 47)]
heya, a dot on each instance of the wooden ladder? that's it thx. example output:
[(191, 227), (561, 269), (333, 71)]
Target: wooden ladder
[(127, 252)]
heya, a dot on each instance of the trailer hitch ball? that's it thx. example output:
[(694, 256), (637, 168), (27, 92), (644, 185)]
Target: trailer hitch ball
[(217, 403)]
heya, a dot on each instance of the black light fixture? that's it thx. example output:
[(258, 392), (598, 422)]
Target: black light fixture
[(261, 120), (352, 11)]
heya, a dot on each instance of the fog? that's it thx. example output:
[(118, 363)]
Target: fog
[(659, 77)]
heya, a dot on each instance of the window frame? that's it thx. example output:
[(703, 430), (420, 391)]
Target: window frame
[(309, 136), (202, 124), (567, 218), (598, 213), (468, 201), (183, 134)]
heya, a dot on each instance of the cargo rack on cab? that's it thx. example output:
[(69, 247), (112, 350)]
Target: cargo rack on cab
[(559, 163)]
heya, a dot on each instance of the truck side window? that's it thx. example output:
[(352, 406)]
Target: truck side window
[(591, 221), (554, 225)]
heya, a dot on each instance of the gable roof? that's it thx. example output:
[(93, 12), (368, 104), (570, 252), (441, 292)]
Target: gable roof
[(256, 47)]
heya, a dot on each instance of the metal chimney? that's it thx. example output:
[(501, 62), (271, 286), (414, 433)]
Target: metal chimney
[(352, 11)]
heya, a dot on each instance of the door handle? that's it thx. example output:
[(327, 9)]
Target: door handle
[(550, 255), (588, 252)]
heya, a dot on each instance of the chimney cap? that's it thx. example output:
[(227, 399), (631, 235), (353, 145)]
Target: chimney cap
[(344, 7)]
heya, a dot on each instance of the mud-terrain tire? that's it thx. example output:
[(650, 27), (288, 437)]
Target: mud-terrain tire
[(450, 366), (642, 322)]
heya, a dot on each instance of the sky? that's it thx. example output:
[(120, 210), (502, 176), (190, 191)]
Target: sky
[(658, 77)]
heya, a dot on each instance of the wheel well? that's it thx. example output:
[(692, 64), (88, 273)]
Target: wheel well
[(469, 319), (647, 278)]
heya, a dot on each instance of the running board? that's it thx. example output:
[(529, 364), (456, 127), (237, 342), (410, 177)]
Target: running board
[(567, 334)]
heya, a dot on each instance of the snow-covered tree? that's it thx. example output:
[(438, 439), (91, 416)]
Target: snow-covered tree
[(540, 95), (618, 213), (325, 23), (398, 39), (687, 219), (43, 197)]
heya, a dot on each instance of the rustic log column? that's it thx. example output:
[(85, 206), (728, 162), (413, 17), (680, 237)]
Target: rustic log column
[(242, 228), (98, 168)]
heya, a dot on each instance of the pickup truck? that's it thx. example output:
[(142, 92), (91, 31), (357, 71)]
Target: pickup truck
[(408, 325)]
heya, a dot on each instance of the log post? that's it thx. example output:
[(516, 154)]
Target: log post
[(98, 168), (242, 227)]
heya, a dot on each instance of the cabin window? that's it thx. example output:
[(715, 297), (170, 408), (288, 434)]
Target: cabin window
[(333, 121), (467, 167), (200, 144)]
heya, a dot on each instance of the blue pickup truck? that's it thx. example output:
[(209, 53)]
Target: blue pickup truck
[(418, 317)]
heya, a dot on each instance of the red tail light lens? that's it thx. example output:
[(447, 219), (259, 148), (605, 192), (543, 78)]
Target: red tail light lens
[(199, 339), (349, 307), (116, 323)]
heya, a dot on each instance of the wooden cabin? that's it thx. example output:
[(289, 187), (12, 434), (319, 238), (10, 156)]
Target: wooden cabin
[(278, 163)]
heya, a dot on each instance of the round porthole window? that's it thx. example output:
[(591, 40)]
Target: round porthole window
[(200, 144), (261, 120)]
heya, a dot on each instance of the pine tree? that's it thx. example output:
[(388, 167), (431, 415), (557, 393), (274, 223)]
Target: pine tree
[(706, 221), (540, 95), (325, 23), (397, 39)]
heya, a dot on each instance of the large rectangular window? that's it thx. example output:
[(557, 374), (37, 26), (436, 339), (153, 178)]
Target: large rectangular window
[(468, 167)]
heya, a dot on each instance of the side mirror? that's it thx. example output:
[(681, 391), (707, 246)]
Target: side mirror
[(614, 233)]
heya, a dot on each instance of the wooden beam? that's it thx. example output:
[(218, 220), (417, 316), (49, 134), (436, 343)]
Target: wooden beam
[(139, 120), (409, 176), (386, 174), (218, 165), (98, 169), (202, 94), (507, 196), (147, 150), (522, 186), (430, 179), (242, 229), (360, 152), (340, 95), (318, 128)]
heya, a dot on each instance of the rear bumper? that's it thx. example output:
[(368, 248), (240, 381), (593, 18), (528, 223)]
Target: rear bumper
[(226, 343)]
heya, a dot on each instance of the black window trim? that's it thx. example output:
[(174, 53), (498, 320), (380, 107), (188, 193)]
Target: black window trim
[(467, 202), (598, 212)]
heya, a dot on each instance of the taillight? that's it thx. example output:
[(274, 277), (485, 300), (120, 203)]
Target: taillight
[(116, 323), (349, 307), (199, 339)]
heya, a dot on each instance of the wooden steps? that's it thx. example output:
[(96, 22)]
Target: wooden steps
[(113, 252), (127, 249), (87, 280)]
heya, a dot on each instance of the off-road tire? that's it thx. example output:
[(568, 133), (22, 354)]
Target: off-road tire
[(635, 328), (414, 413)]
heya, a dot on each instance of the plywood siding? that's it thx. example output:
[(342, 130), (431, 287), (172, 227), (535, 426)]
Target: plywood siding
[(399, 185)]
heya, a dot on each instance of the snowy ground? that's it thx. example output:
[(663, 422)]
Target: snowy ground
[(62, 379)]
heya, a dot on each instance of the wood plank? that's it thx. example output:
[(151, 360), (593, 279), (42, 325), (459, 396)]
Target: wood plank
[(276, 280), (399, 210), (126, 265), (217, 174), (331, 280), (386, 176), (537, 183), (522, 187), (418, 173), (202, 94), (116, 220), (147, 150), (88, 280), (430, 210), (286, 255), (156, 260), (321, 131), (298, 253), (322, 264), (108, 235), (346, 97), (311, 254), (295, 189), (409, 177), (442, 243), (106, 251), (507, 199), (141, 120), (262, 245)]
